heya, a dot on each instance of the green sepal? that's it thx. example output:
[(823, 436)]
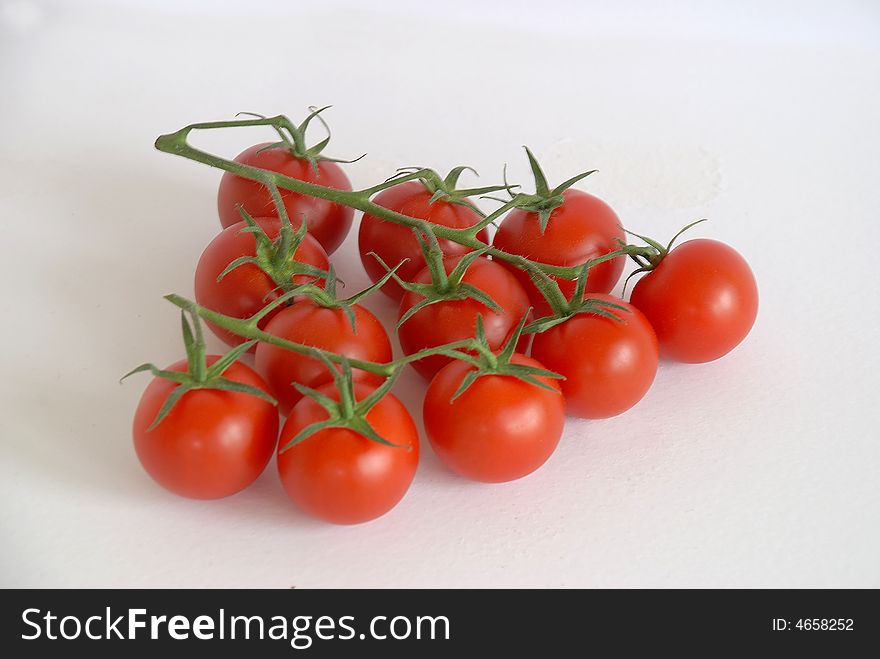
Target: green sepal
[(443, 287), (545, 200), (172, 400), (217, 368), (446, 188), (325, 297), (347, 412), (275, 257), (588, 305), (237, 263), (174, 376), (198, 374), (489, 363), (224, 384), (648, 258)]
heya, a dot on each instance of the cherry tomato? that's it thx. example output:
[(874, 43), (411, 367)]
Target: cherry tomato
[(247, 289), (320, 327), (328, 222), (212, 443), (702, 300), (501, 428), (341, 476), (454, 320), (608, 365), (395, 242), (582, 228)]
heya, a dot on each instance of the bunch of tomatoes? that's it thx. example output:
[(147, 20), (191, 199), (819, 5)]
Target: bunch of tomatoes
[(513, 331)]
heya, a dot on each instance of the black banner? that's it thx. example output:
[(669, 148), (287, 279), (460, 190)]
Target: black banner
[(410, 623)]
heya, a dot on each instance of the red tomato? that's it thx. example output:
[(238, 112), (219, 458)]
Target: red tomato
[(328, 222), (341, 476), (247, 289), (312, 325), (501, 428), (702, 300), (212, 443), (608, 365), (454, 320), (584, 227), (395, 242)]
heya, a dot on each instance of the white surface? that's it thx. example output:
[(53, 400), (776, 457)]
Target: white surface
[(760, 469)]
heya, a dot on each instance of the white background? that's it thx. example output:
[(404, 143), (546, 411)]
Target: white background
[(761, 469)]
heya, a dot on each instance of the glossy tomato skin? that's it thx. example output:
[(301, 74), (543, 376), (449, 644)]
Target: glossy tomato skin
[(312, 325), (328, 222), (212, 443), (702, 300), (499, 429), (608, 365), (582, 228), (395, 242), (247, 289), (454, 320), (340, 476)]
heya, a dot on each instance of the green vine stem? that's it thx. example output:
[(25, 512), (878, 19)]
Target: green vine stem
[(249, 329), (177, 144)]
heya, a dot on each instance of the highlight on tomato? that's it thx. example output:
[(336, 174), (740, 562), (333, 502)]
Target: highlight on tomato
[(348, 451), (329, 222), (563, 227)]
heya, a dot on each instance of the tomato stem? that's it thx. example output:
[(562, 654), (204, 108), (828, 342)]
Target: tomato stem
[(198, 374), (248, 329), (652, 254), (177, 144), (195, 348)]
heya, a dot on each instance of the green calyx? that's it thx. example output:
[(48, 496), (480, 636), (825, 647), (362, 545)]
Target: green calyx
[(327, 297), (275, 257), (447, 188), (487, 362), (347, 412), (198, 374), (648, 258), (545, 200), (564, 308), (293, 137), (443, 286)]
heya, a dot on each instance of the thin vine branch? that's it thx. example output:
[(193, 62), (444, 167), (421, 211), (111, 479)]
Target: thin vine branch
[(249, 329), (177, 144)]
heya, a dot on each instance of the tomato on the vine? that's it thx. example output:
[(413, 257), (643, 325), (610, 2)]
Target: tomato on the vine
[(212, 443), (313, 325), (452, 320), (583, 227), (500, 428), (244, 291), (327, 221), (341, 476), (701, 298), (608, 364), (395, 242)]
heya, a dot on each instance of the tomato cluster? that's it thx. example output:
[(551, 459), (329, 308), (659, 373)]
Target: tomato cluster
[(512, 335)]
